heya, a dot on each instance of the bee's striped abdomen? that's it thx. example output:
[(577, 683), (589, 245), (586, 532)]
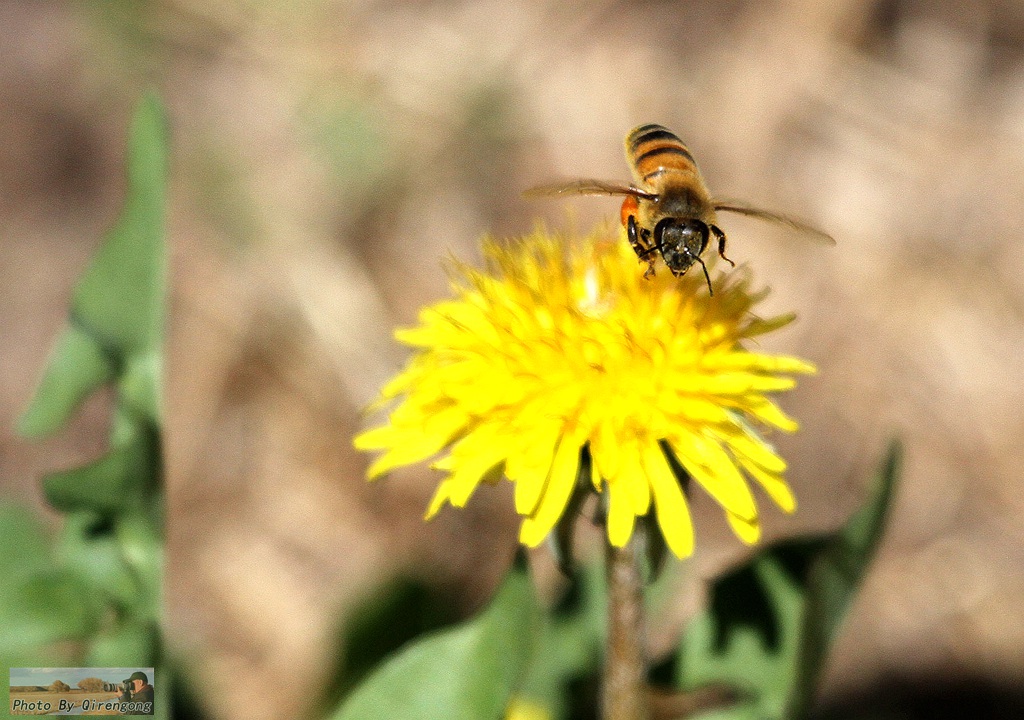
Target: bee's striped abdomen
[(652, 150)]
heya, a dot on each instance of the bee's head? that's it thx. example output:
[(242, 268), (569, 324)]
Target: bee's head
[(681, 241)]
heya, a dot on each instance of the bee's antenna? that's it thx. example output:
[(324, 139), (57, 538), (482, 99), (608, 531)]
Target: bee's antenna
[(706, 276)]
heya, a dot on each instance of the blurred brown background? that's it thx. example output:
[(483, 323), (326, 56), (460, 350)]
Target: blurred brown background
[(327, 154)]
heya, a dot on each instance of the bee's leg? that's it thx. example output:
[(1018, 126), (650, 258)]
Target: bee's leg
[(706, 276), (640, 240), (633, 236), (721, 246), (649, 254), (645, 237)]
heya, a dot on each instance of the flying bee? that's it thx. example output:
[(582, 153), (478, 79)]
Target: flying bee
[(668, 210)]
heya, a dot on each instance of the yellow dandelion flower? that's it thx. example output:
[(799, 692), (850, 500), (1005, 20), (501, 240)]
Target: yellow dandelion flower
[(524, 709), (561, 356)]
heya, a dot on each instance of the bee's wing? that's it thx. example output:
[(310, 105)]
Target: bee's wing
[(588, 187), (742, 208)]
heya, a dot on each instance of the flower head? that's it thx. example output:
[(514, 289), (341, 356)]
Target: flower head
[(558, 353)]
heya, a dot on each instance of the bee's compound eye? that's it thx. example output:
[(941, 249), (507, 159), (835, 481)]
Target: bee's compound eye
[(688, 235)]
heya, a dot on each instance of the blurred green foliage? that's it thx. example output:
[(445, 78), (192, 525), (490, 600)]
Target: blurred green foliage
[(41, 601), (770, 623), (467, 672), (115, 326), (100, 585), (388, 618), (570, 644)]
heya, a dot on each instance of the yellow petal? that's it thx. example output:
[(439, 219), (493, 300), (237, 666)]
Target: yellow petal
[(749, 531), (485, 445), (760, 362), (446, 463), (377, 438), (408, 446), (769, 413), (694, 409), (469, 463), (747, 446), (464, 481), (632, 478), (400, 383), (529, 467), (716, 472), (669, 503), (605, 451), (556, 493), (760, 326), (741, 383), (621, 516), (773, 483), (437, 501)]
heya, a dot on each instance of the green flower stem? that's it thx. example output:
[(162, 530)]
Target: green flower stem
[(624, 695)]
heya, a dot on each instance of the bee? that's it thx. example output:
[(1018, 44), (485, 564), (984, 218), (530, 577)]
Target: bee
[(668, 210)]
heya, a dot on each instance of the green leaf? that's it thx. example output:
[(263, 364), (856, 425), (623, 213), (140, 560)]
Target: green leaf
[(140, 538), (571, 641), (131, 644), (39, 602), (468, 672), (117, 481), (770, 623), (380, 624), (23, 544), (44, 606), (116, 320), (88, 546), (121, 296), (837, 575), (101, 485), (77, 366), (749, 635)]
